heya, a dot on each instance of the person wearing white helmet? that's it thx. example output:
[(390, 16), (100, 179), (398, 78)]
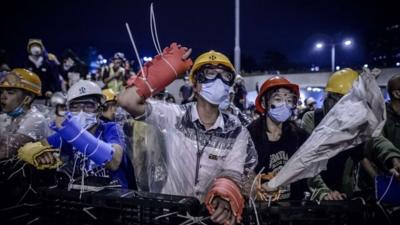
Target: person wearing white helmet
[(85, 140)]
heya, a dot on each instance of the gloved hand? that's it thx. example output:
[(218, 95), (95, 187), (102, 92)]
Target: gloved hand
[(95, 149), (227, 190), (161, 71), (263, 191), (32, 151)]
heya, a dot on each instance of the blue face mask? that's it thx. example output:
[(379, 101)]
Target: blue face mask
[(280, 113), (16, 112), (215, 92)]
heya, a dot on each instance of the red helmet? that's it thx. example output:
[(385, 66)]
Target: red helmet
[(275, 82)]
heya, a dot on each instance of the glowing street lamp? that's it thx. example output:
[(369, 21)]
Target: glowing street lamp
[(320, 45)]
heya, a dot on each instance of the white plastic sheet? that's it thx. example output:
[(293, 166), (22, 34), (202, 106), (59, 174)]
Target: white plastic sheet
[(357, 117)]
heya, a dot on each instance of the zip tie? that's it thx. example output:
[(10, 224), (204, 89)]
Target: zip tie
[(165, 215), (387, 189), (86, 210), (153, 26), (254, 181), (134, 47), (77, 136)]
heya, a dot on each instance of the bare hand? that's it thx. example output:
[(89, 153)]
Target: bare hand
[(58, 121), (395, 170), (47, 158), (223, 213), (335, 195)]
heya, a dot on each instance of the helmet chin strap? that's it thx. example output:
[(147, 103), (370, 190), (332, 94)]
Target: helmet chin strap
[(19, 110)]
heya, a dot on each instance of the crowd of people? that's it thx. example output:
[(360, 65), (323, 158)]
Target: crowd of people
[(123, 129)]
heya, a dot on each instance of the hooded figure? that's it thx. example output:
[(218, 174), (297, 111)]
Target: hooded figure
[(46, 69)]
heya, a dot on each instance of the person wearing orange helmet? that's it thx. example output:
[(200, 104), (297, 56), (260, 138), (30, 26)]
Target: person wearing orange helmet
[(20, 123), (275, 136)]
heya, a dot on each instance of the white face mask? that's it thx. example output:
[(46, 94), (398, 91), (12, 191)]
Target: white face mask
[(215, 92), (36, 50), (86, 120)]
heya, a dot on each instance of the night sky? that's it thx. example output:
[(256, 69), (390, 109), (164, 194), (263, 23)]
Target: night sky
[(288, 27)]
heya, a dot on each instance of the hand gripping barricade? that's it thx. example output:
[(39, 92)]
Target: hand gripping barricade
[(262, 195), (229, 191), (32, 150), (161, 71)]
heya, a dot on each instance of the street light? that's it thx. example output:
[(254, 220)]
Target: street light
[(319, 45), (346, 43)]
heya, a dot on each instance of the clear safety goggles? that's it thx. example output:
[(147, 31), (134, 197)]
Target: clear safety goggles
[(209, 73), (85, 106), (280, 98)]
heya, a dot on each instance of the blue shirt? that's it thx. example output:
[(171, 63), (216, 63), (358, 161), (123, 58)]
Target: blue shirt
[(110, 133)]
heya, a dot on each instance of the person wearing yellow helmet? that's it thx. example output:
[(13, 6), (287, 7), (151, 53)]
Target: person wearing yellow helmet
[(20, 123), (339, 84), (208, 151), (109, 106), (329, 184)]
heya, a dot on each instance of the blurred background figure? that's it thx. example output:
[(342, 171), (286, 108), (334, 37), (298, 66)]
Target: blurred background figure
[(72, 69), (309, 105), (240, 93), (186, 91), (44, 66), (58, 102), (113, 75)]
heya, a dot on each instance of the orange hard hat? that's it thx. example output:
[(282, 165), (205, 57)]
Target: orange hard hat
[(271, 83)]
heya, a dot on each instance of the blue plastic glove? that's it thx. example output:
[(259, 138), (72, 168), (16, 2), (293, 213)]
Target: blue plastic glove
[(95, 149), (54, 140)]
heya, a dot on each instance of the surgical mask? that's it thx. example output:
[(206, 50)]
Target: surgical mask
[(86, 120), (36, 50), (214, 92), (280, 113), (16, 112)]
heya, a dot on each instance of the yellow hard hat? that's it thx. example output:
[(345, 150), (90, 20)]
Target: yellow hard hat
[(22, 79), (341, 81), (109, 94), (211, 57)]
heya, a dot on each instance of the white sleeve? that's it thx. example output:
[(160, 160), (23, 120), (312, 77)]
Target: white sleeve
[(161, 114)]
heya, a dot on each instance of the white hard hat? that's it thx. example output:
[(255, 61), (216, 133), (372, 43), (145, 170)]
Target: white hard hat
[(310, 100), (83, 88), (58, 98)]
